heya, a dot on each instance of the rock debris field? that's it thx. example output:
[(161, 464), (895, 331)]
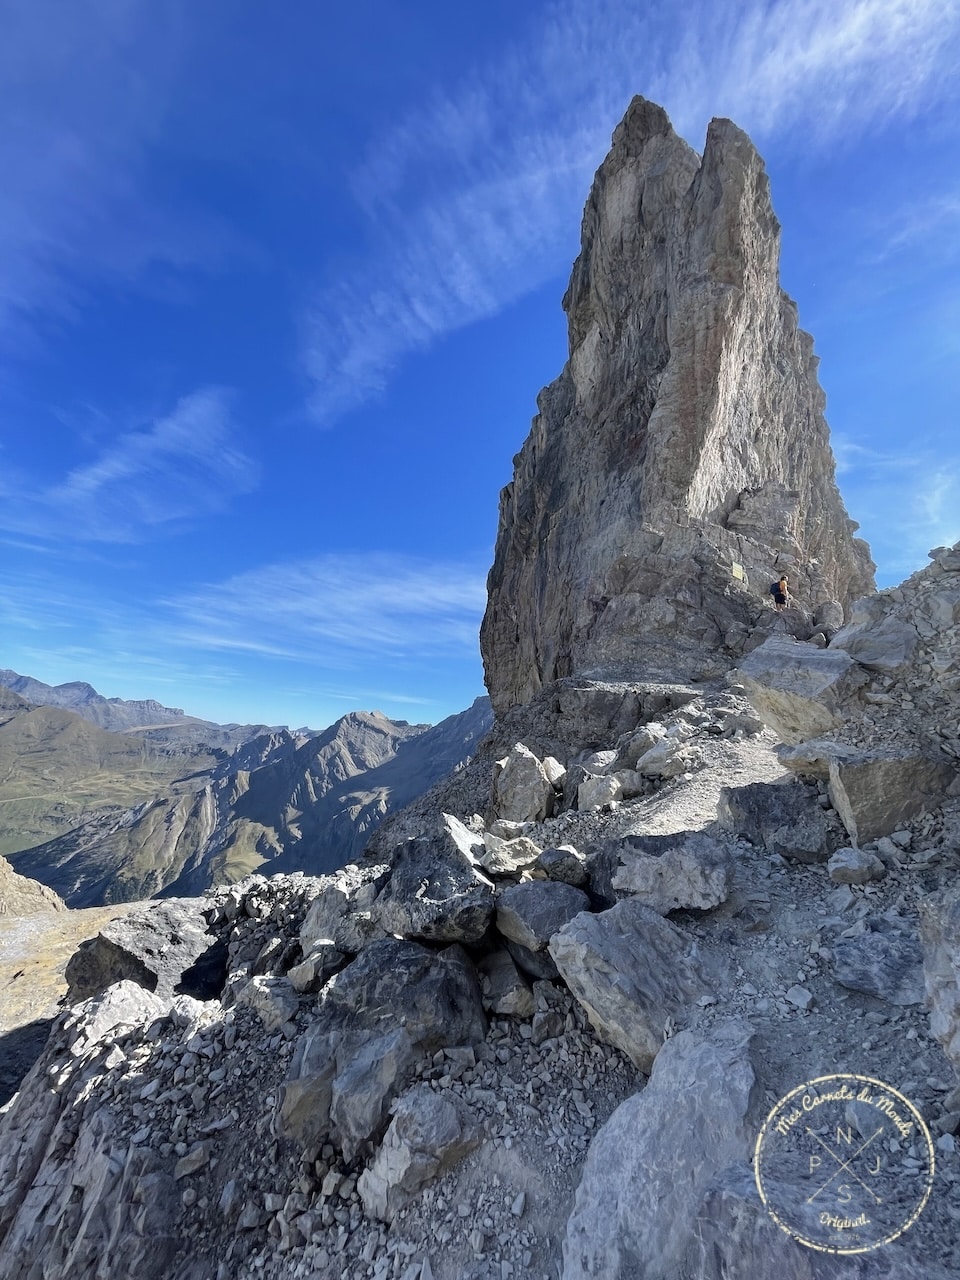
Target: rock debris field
[(454, 1123)]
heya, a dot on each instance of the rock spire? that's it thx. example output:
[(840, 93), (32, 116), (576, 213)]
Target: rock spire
[(682, 446)]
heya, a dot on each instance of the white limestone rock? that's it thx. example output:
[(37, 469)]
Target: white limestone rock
[(594, 793), (694, 873), (801, 692), (634, 973), (878, 791), (940, 936), (429, 1133), (507, 857), (651, 1164), (855, 866), (522, 789)]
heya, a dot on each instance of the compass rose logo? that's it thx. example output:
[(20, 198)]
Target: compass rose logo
[(844, 1163)]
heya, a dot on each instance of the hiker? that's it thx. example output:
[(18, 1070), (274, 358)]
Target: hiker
[(780, 592)]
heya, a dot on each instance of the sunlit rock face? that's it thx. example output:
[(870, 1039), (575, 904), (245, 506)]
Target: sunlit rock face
[(682, 446)]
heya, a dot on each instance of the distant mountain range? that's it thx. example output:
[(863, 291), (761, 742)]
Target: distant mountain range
[(170, 804)]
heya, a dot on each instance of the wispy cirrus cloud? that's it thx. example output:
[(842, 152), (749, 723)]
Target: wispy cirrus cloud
[(156, 478), (366, 629), (922, 486), (333, 609), (85, 91), (471, 200), (933, 221)]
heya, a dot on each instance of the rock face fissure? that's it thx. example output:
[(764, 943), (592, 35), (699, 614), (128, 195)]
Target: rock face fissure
[(681, 460)]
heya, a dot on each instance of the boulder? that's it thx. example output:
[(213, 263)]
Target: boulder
[(876, 638), (637, 744), (501, 857), (669, 758), (536, 964), (434, 893), (811, 759), (164, 946), (530, 914), (273, 1000), (564, 863), (505, 993), (522, 790), (653, 1161), (428, 1134), (940, 937), (352, 888), (855, 866), (677, 855), (60, 1148), (594, 793), (395, 1004), (634, 973), (885, 960), (799, 691), (692, 872), (317, 968), (879, 791), (781, 817)]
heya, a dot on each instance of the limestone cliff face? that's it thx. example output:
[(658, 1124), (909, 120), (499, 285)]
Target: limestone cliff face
[(684, 437)]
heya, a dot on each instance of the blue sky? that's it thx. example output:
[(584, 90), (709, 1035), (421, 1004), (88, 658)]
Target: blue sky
[(279, 285)]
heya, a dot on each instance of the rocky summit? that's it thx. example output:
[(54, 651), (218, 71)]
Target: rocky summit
[(706, 856), (681, 460)]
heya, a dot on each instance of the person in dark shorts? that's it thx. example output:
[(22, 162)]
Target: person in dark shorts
[(780, 592)]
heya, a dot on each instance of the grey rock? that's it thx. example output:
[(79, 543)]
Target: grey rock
[(594, 793), (608, 862), (49, 1163), (162, 946), (311, 973), (600, 761), (522, 789), (21, 896), (876, 639), (273, 1000), (693, 872), (855, 866), (634, 973), (638, 744), (396, 1003), (669, 758), (505, 993), (429, 1133), (530, 914), (564, 863), (536, 964), (940, 936), (800, 691), (685, 432), (434, 893), (811, 759), (501, 857), (885, 960), (782, 818), (651, 1164), (350, 888), (878, 791)]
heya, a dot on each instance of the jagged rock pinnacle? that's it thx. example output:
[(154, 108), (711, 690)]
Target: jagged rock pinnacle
[(684, 437)]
